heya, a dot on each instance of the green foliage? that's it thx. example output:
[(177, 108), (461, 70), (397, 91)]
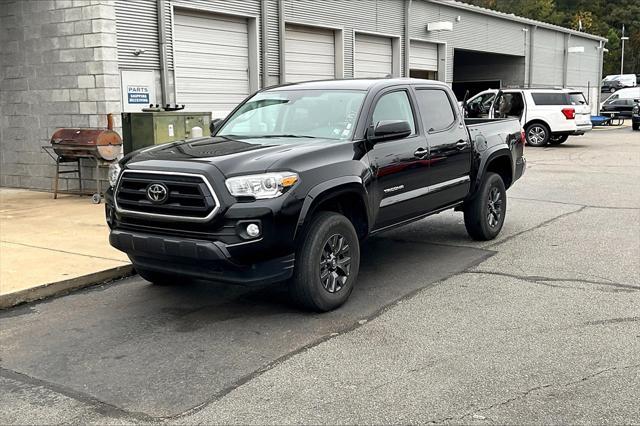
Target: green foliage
[(601, 17)]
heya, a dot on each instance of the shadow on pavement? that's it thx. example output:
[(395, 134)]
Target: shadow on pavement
[(163, 350)]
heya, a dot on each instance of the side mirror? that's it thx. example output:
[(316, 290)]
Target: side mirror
[(387, 130), (214, 125)]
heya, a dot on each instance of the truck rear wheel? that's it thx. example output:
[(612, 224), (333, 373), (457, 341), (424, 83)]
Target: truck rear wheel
[(327, 263), (484, 214), (537, 134)]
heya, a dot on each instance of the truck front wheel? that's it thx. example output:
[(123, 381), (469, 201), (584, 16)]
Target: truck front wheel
[(327, 263), (484, 214)]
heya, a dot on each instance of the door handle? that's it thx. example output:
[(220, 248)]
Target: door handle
[(421, 152), (462, 144)]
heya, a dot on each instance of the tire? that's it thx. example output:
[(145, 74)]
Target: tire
[(537, 134), (158, 278), (319, 282), (557, 140), (635, 126), (484, 214)]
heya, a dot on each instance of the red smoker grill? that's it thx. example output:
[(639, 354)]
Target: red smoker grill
[(102, 146)]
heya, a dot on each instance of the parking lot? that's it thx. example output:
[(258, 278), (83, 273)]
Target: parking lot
[(541, 325)]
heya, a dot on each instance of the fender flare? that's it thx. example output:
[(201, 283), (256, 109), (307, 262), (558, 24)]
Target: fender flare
[(492, 154), (349, 183)]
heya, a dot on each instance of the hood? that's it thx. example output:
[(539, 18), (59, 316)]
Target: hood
[(234, 156)]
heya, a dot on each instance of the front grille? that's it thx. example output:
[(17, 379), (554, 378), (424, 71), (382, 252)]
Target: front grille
[(188, 196)]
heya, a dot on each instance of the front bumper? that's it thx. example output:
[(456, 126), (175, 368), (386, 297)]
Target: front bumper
[(209, 260)]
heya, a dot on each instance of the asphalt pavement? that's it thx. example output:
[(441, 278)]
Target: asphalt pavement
[(541, 325)]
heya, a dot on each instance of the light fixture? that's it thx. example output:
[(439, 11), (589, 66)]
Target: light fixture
[(440, 26), (139, 52)]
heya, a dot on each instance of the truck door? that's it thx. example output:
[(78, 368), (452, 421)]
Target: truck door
[(449, 146), (400, 166)]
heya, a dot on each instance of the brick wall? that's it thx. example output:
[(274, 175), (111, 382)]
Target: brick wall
[(58, 68)]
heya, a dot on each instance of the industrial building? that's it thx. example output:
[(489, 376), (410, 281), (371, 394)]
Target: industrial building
[(66, 63)]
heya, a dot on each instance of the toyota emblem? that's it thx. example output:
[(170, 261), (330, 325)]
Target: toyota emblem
[(157, 193)]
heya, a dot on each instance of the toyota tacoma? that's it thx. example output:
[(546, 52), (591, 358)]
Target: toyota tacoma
[(296, 176)]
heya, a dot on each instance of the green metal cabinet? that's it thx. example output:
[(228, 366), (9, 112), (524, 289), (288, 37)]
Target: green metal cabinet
[(142, 129)]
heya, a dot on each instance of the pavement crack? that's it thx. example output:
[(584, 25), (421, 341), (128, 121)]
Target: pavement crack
[(592, 206), (101, 407), (547, 281), (540, 225)]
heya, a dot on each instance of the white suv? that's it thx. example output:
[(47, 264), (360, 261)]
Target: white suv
[(547, 115)]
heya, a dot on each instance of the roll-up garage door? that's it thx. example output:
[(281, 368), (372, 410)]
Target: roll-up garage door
[(423, 56), (373, 56), (310, 53), (211, 61)]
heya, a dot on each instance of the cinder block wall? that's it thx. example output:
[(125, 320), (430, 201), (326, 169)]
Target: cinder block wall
[(58, 68)]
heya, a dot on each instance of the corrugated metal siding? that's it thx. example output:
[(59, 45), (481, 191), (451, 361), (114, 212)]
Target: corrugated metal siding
[(310, 53), (583, 67), (381, 16), (373, 56), (548, 58), (212, 61), (273, 37), (423, 56), (473, 32), (137, 28)]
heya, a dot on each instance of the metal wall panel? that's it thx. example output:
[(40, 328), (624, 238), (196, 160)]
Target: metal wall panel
[(137, 28), (373, 56), (310, 53), (472, 31), (380, 16), (212, 61), (273, 38), (423, 56), (548, 58)]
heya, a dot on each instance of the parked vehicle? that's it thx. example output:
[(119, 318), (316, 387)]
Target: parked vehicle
[(635, 115), (549, 116), (297, 175), (621, 102), (615, 82)]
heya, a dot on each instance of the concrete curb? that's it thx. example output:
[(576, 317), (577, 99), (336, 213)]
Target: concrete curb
[(63, 287)]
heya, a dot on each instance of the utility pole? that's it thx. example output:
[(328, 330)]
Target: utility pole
[(623, 38)]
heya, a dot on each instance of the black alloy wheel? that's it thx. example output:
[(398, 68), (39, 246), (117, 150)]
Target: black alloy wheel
[(335, 263), (327, 263), (494, 207)]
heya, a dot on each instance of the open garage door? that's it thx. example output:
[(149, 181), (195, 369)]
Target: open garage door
[(477, 71), (423, 60), (211, 61), (373, 56), (310, 53)]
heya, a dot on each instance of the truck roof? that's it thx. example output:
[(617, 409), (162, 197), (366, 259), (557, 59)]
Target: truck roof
[(353, 84)]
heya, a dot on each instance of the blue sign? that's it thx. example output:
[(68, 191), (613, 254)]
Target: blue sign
[(138, 94)]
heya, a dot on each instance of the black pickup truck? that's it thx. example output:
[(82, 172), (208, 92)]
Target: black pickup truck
[(298, 175)]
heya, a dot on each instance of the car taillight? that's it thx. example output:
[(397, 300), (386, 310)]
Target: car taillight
[(569, 113), (523, 137)]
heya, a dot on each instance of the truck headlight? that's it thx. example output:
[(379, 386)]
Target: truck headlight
[(268, 185), (114, 174)]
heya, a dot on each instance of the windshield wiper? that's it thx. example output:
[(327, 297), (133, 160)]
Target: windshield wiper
[(288, 136)]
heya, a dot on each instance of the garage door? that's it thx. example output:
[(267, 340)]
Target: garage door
[(211, 61), (373, 56), (423, 56), (310, 53)]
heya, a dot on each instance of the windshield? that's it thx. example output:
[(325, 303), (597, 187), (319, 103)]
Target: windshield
[(327, 114)]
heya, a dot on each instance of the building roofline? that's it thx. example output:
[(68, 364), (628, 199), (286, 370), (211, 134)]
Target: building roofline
[(515, 18)]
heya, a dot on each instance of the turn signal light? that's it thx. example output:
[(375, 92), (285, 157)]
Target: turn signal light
[(569, 113)]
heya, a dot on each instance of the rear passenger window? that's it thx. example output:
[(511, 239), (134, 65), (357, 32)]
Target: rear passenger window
[(435, 109), (551, 98), (394, 106)]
